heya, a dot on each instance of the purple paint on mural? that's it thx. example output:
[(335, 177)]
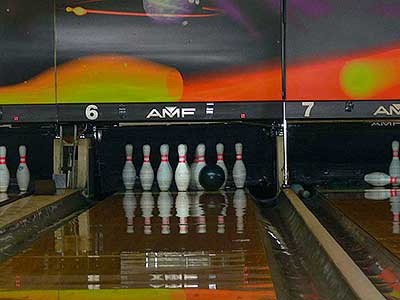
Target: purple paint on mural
[(390, 10), (233, 11)]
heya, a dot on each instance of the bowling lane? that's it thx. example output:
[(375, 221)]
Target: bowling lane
[(366, 225), (164, 246), (375, 212)]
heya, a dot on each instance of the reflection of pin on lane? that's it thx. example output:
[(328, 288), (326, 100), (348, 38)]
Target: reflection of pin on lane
[(79, 11)]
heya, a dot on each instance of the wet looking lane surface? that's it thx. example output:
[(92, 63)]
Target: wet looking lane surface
[(376, 211), (166, 246)]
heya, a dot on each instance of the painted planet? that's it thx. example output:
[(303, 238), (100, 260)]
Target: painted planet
[(167, 11)]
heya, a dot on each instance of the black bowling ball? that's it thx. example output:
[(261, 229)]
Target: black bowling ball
[(212, 177)]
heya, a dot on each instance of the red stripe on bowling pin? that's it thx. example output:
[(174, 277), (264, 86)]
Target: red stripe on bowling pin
[(395, 153), (2, 160), (238, 156), (146, 158), (129, 158), (220, 157), (164, 158), (200, 159), (22, 159), (396, 217), (182, 159), (394, 193), (393, 180)]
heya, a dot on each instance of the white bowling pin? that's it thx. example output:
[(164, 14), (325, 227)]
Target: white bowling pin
[(23, 175), (147, 206), (240, 204), (4, 173), (129, 204), (3, 197), (165, 204), (192, 184), (220, 161), (197, 211), (381, 194), (395, 209), (186, 162), (239, 169), (182, 172), (146, 172), (201, 163), (222, 215), (129, 172), (394, 168), (164, 172), (300, 191), (380, 179), (182, 211)]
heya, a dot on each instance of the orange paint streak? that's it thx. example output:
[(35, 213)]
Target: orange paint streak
[(121, 77), (321, 80), (254, 83), (216, 12), (38, 90)]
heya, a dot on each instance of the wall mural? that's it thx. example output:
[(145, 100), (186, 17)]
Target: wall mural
[(343, 49), (121, 51), (116, 51)]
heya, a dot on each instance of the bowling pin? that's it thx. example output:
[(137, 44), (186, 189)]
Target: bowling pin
[(129, 172), (201, 163), (381, 194), (380, 179), (164, 172), (186, 162), (239, 169), (220, 161), (165, 204), (300, 191), (192, 183), (182, 211), (146, 172), (3, 197), (129, 204), (222, 215), (147, 206), (394, 168), (182, 172), (395, 209), (240, 204), (4, 173), (197, 211), (23, 174)]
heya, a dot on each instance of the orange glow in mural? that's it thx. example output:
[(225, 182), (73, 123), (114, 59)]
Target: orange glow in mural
[(38, 90), (123, 79), (369, 76), (254, 83), (103, 79)]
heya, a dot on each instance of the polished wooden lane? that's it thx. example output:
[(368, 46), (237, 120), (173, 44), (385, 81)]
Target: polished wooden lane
[(24, 207), (379, 218), (148, 246)]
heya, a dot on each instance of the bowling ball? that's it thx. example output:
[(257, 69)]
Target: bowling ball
[(212, 177)]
